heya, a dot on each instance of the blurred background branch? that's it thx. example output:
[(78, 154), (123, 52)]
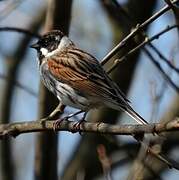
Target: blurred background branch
[(13, 64), (46, 157)]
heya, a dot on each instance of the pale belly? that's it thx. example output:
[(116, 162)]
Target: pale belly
[(69, 97)]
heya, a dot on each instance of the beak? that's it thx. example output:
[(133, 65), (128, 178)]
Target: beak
[(35, 46)]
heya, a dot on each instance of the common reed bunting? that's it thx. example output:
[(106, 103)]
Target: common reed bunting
[(76, 78)]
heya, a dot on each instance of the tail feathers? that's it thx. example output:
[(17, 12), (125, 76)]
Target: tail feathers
[(135, 116)]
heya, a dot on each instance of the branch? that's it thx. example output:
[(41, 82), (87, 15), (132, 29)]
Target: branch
[(171, 65), (58, 15), (19, 85), (175, 9), (139, 27), (7, 163), (20, 30), (158, 66), (9, 8), (147, 40), (14, 129)]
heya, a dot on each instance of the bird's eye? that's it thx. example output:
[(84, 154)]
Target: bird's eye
[(45, 43)]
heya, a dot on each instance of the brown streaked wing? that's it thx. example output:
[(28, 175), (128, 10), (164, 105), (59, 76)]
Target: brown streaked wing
[(87, 83), (95, 69)]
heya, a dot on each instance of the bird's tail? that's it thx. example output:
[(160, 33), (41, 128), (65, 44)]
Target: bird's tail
[(135, 116)]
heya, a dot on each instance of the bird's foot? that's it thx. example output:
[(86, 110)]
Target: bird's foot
[(76, 126), (57, 123)]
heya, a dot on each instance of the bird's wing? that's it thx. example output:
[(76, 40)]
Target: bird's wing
[(84, 73)]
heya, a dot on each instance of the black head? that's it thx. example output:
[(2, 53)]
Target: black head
[(49, 41)]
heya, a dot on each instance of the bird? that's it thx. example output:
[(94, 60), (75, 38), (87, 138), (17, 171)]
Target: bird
[(77, 78)]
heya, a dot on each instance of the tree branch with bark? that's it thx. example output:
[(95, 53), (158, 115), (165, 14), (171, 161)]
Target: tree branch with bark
[(15, 129)]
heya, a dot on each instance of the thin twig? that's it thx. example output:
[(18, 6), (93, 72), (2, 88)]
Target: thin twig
[(131, 21), (139, 27), (13, 5), (164, 58), (158, 66), (20, 30), (19, 85), (175, 10), (146, 41)]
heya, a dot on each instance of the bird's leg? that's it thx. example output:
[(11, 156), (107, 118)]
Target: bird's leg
[(58, 121), (78, 123), (59, 109)]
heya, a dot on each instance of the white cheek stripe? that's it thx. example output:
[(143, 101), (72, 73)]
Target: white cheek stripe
[(44, 51)]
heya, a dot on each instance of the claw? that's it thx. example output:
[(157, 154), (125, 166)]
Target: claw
[(77, 125), (58, 122)]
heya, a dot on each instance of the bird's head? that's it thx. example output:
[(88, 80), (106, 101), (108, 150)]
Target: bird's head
[(51, 43)]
